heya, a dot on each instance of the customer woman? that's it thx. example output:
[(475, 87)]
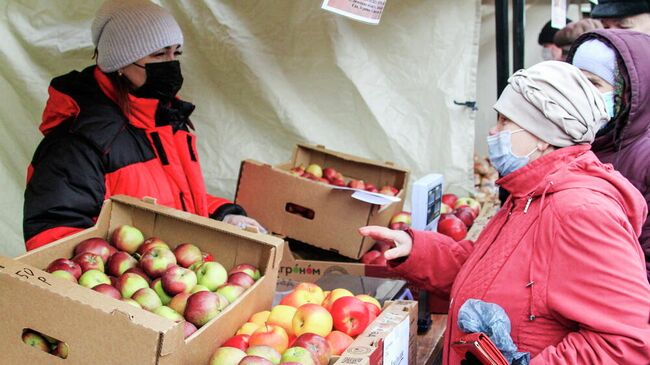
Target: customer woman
[(562, 256), (118, 127)]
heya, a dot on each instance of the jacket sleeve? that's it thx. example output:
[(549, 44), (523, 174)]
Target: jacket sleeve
[(644, 240), (221, 207), (434, 261), (65, 191), (598, 285)]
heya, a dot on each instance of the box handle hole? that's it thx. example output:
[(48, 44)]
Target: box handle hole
[(300, 210), (45, 343)]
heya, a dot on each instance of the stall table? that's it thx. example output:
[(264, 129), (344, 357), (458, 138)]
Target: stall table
[(430, 343)]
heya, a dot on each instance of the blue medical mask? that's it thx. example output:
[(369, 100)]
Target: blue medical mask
[(609, 103), (500, 153)]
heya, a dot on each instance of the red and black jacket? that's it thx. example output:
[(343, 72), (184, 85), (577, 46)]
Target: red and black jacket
[(92, 151)]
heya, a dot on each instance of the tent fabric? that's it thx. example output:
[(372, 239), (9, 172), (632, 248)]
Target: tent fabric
[(264, 76)]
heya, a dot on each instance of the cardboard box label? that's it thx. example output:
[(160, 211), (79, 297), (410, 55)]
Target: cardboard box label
[(396, 345)]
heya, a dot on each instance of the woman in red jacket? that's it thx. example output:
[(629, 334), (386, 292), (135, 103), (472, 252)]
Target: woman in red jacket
[(562, 256), (119, 128)]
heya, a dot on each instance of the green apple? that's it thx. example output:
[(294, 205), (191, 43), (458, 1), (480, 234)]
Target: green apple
[(211, 275), (92, 278), (147, 298), (227, 356), (168, 313), (129, 283), (156, 285), (299, 355)]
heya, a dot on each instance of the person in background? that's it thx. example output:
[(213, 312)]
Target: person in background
[(118, 127), (565, 37), (623, 14), (545, 39), (617, 62), (561, 256)]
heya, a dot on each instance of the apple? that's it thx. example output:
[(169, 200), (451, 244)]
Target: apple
[(453, 227), (299, 355), (201, 307), (178, 302), (370, 256), (444, 209), (388, 190), (237, 341), (248, 328), (330, 173), (339, 342), (373, 312), (267, 352), (35, 340), (465, 214), (129, 283), (108, 290), (113, 280), (282, 315), (150, 243), (337, 182), (165, 311), (371, 188), (317, 345), (95, 245), (400, 221), (230, 291), (197, 288), (334, 295), (302, 294), (248, 269), (119, 262), (131, 302), (65, 265), (127, 238), (350, 315), (207, 257), (138, 271), (369, 299), (64, 275), (92, 278), (188, 329), (314, 170), (156, 261), (312, 318), (449, 199), (297, 171), (156, 285), (211, 275), (187, 254), (254, 360), (357, 184), (89, 261), (270, 335), (61, 350), (227, 356), (381, 246), (260, 317), (242, 279), (178, 280), (381, 261), (472, 203), (147, 298)]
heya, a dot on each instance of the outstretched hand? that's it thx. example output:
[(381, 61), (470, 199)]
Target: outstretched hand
[(400, 239), (242, 221)]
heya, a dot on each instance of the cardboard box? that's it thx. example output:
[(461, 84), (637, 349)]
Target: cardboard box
[(314, 212), (108, 331), (391, 339)]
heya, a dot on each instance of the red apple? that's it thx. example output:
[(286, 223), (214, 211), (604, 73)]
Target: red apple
[(453, 227), (238, 342), (315, 170), (178, 280), (187, 254), (400, 221), (267, 352), (465, 214), (449, 199), (338, 182), (371, 188), (119, 262), (65, 265), (350, 315), (270, 335), (95, 245), (330, 173), (109, 290), (357, 184), (339, 342), (317, 345), (241, 279), (298, 170), (188, 329), (136, 270), (129, 283), (89, 261), (156, 261), (380, 261), (248, 269), (127, 238), (150, 243), (227, 356), (444, 216), (388, 190), (203, 306), (179, 302), (335, 294), (444, 209), (472, 203), (370, 256), (254, 360)]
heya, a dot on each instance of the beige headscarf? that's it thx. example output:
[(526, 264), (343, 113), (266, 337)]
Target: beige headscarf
[(554, 101)]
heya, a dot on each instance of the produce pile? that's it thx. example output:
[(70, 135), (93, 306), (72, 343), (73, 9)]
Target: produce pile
[(330, 176)]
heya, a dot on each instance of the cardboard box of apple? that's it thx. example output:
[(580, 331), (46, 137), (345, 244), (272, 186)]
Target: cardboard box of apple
[(182, 284), (329, 175), (457, 215), (308, 327)]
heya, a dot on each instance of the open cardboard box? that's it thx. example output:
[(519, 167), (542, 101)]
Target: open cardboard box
[(103, 330), (314, 212)]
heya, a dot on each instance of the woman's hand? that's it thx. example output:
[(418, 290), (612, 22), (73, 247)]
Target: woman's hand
[(400, 239), (242, 221)]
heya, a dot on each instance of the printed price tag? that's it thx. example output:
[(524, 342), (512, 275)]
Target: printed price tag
[(367, 11)]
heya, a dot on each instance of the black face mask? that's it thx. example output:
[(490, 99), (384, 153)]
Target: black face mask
[(164, 80)]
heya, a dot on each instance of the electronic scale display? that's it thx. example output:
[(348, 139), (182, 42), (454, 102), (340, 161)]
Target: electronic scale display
[(426, 201)]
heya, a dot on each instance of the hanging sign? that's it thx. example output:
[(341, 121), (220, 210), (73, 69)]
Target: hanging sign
[(367, 11)]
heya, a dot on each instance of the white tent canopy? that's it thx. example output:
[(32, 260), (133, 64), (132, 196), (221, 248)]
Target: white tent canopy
[(266, 75)]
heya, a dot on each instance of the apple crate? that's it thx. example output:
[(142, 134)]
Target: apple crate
[(314, 212), (99, 329)]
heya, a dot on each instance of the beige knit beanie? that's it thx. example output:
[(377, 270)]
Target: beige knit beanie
[(125, 31), (554, 101)]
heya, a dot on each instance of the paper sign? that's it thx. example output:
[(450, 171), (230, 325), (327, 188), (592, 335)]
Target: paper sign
[(368, 197), (558, 14), (367, 11), (396, 345)]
